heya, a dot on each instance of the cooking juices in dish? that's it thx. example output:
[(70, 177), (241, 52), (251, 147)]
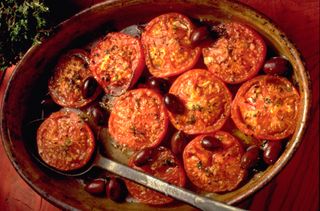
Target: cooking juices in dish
[(166, 107)]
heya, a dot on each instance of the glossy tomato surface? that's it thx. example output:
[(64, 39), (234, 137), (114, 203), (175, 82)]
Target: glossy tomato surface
[(163, 165), (138, 119), (167, 45), (65, 141), (117, 62), (237, 55), (70, 73), (206, 99), (266, 107), (215, 170)]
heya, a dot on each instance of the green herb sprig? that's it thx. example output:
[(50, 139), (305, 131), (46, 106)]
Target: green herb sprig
[(22, 24)]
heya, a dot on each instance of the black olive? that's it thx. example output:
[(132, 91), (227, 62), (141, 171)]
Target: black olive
[(199, 34), (272, 150), (210, 143), (89, 87), (178, 142), (277, 66), (116, 190), (250, 157), (142, 157), (97, 186), (173, 103), (160, 84), (99, 115)]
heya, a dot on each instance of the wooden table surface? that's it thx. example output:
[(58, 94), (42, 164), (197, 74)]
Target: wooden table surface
[(295, 188)]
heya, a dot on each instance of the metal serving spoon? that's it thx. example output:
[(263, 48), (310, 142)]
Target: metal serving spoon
[(146, 180)]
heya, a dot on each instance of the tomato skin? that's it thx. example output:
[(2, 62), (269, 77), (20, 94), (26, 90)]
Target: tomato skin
[(216, 170), (167, 45), (117, 62), (138, 119), (206, 100), (266, 107), (237, 56), (70, 73), (64, 141), (163, 165)]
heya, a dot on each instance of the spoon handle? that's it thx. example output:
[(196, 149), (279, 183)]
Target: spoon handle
[(181, 194)]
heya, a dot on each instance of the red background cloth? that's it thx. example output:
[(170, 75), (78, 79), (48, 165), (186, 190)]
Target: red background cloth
[(295, 188)]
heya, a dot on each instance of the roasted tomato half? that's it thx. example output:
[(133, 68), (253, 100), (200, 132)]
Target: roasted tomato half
[(236, 56), (163, 165), (138, 119), (117, 62), (218, 169), (167, 45), (206, 99), (70, 74), (65, 141), (266, 107)]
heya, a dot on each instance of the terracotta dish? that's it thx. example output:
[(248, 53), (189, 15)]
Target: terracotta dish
[(29, 82)]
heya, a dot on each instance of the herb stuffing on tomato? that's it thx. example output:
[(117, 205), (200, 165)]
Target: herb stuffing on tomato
[(167, 45), (217, 169), (163, 165), (236, 56), (138, 119), (266, 107), (206, 100), (117, 62), (70, 74), (65, 141)]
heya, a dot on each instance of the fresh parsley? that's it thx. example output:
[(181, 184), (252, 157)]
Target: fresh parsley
[(22, 24)]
